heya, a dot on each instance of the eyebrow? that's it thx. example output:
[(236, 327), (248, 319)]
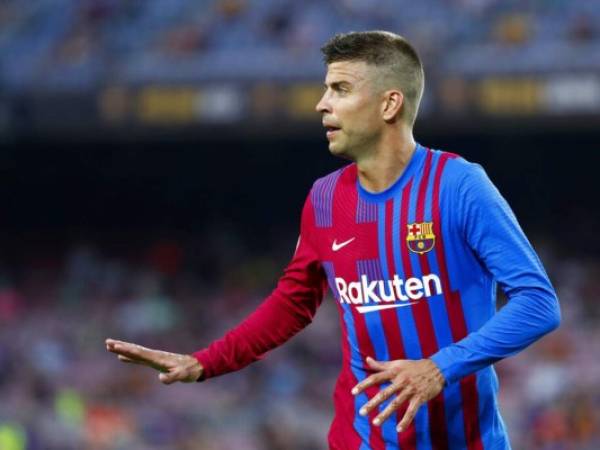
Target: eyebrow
[(338, 84)]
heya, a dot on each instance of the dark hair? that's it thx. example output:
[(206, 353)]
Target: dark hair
[(390, 52)]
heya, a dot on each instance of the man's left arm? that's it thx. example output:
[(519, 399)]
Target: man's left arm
[(493, 233)]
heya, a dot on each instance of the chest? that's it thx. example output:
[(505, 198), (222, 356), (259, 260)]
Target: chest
[(390, 232)]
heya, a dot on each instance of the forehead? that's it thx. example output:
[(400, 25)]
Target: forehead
[(349, 71)]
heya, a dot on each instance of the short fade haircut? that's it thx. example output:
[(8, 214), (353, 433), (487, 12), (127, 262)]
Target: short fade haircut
[(398, 60)]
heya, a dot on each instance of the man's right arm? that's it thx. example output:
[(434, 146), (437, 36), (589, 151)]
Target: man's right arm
[(290, 308)]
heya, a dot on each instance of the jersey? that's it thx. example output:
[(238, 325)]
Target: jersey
[(413, 271)]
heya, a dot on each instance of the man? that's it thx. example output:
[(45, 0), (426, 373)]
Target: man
[(411, 242)]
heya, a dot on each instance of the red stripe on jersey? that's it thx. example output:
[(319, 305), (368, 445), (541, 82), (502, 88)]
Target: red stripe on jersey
[(389, 224), (437, 414), (423, 188), (456, 315)]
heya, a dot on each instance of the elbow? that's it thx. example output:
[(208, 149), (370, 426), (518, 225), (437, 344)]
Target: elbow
[(555, 322), (553, 315)]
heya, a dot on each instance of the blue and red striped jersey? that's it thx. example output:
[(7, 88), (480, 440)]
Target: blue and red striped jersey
[(413, 271)]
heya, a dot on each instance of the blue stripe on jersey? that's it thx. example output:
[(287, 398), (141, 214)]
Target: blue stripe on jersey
[(441, 324), (360, 424), (322, 199), (422, 424)]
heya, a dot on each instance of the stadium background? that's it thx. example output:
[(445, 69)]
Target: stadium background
[(154, 158)]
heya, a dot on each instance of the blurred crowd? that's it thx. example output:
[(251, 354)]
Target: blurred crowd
[(61, 390), (81, 44)]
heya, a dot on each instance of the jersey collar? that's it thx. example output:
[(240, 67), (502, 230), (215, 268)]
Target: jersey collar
[(416, 161)]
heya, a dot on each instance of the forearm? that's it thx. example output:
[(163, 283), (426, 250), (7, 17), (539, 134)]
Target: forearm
[(493, 234), (289, 309), (527, 317), (274, 322)]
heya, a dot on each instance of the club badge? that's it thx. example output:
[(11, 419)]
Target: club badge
[(420, 238)]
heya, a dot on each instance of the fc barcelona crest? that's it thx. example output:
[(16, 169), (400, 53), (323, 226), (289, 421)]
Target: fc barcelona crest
[(420, 238)]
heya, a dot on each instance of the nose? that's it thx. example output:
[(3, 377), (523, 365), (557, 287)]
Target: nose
[(323, 106)]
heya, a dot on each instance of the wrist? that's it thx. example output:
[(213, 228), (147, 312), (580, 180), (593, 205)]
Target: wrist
[(197, 368), (203, 360), (437, 373)]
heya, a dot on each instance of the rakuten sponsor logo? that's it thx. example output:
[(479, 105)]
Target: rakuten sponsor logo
[(393, 293)]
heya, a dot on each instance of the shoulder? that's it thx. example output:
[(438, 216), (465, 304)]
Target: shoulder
[(322, 193), (322, 189), (455, 170), (468, 187)]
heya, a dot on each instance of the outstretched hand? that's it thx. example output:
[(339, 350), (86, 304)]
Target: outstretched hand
[(172, 366), (415, 382)]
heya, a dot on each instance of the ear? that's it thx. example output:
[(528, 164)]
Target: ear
[(392, 105)]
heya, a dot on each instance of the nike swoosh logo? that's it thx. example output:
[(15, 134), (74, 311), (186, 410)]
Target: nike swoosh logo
[(365, 309), (335, 246)]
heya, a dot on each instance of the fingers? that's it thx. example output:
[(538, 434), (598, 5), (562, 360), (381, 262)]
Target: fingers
[(379, 398), (127, 360), (412, 380), (376, 378), (115, 346), (395, 404), (135, 352), (126, 348), (169, 377), (410, 413), (173, 366), (111, 344), (174, 375), (377, 365), (385, 371)]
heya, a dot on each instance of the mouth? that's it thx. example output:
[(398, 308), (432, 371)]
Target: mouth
[(331, 130)]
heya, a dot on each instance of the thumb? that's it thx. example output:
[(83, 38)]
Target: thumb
[(377, 365), (168, 377)]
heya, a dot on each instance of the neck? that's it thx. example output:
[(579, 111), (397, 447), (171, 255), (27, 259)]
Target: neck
[(382, 166)]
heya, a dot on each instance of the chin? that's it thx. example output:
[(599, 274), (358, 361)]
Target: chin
[(334, 149), (340, 152)]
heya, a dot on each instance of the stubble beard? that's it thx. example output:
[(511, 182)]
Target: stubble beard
[(342, 151), (357, 149)]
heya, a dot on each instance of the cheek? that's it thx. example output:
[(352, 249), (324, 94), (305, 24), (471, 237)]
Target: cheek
[(363, 114), (358, 115), (361, 124)]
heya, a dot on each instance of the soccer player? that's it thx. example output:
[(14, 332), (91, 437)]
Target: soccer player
[(412, 243)]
